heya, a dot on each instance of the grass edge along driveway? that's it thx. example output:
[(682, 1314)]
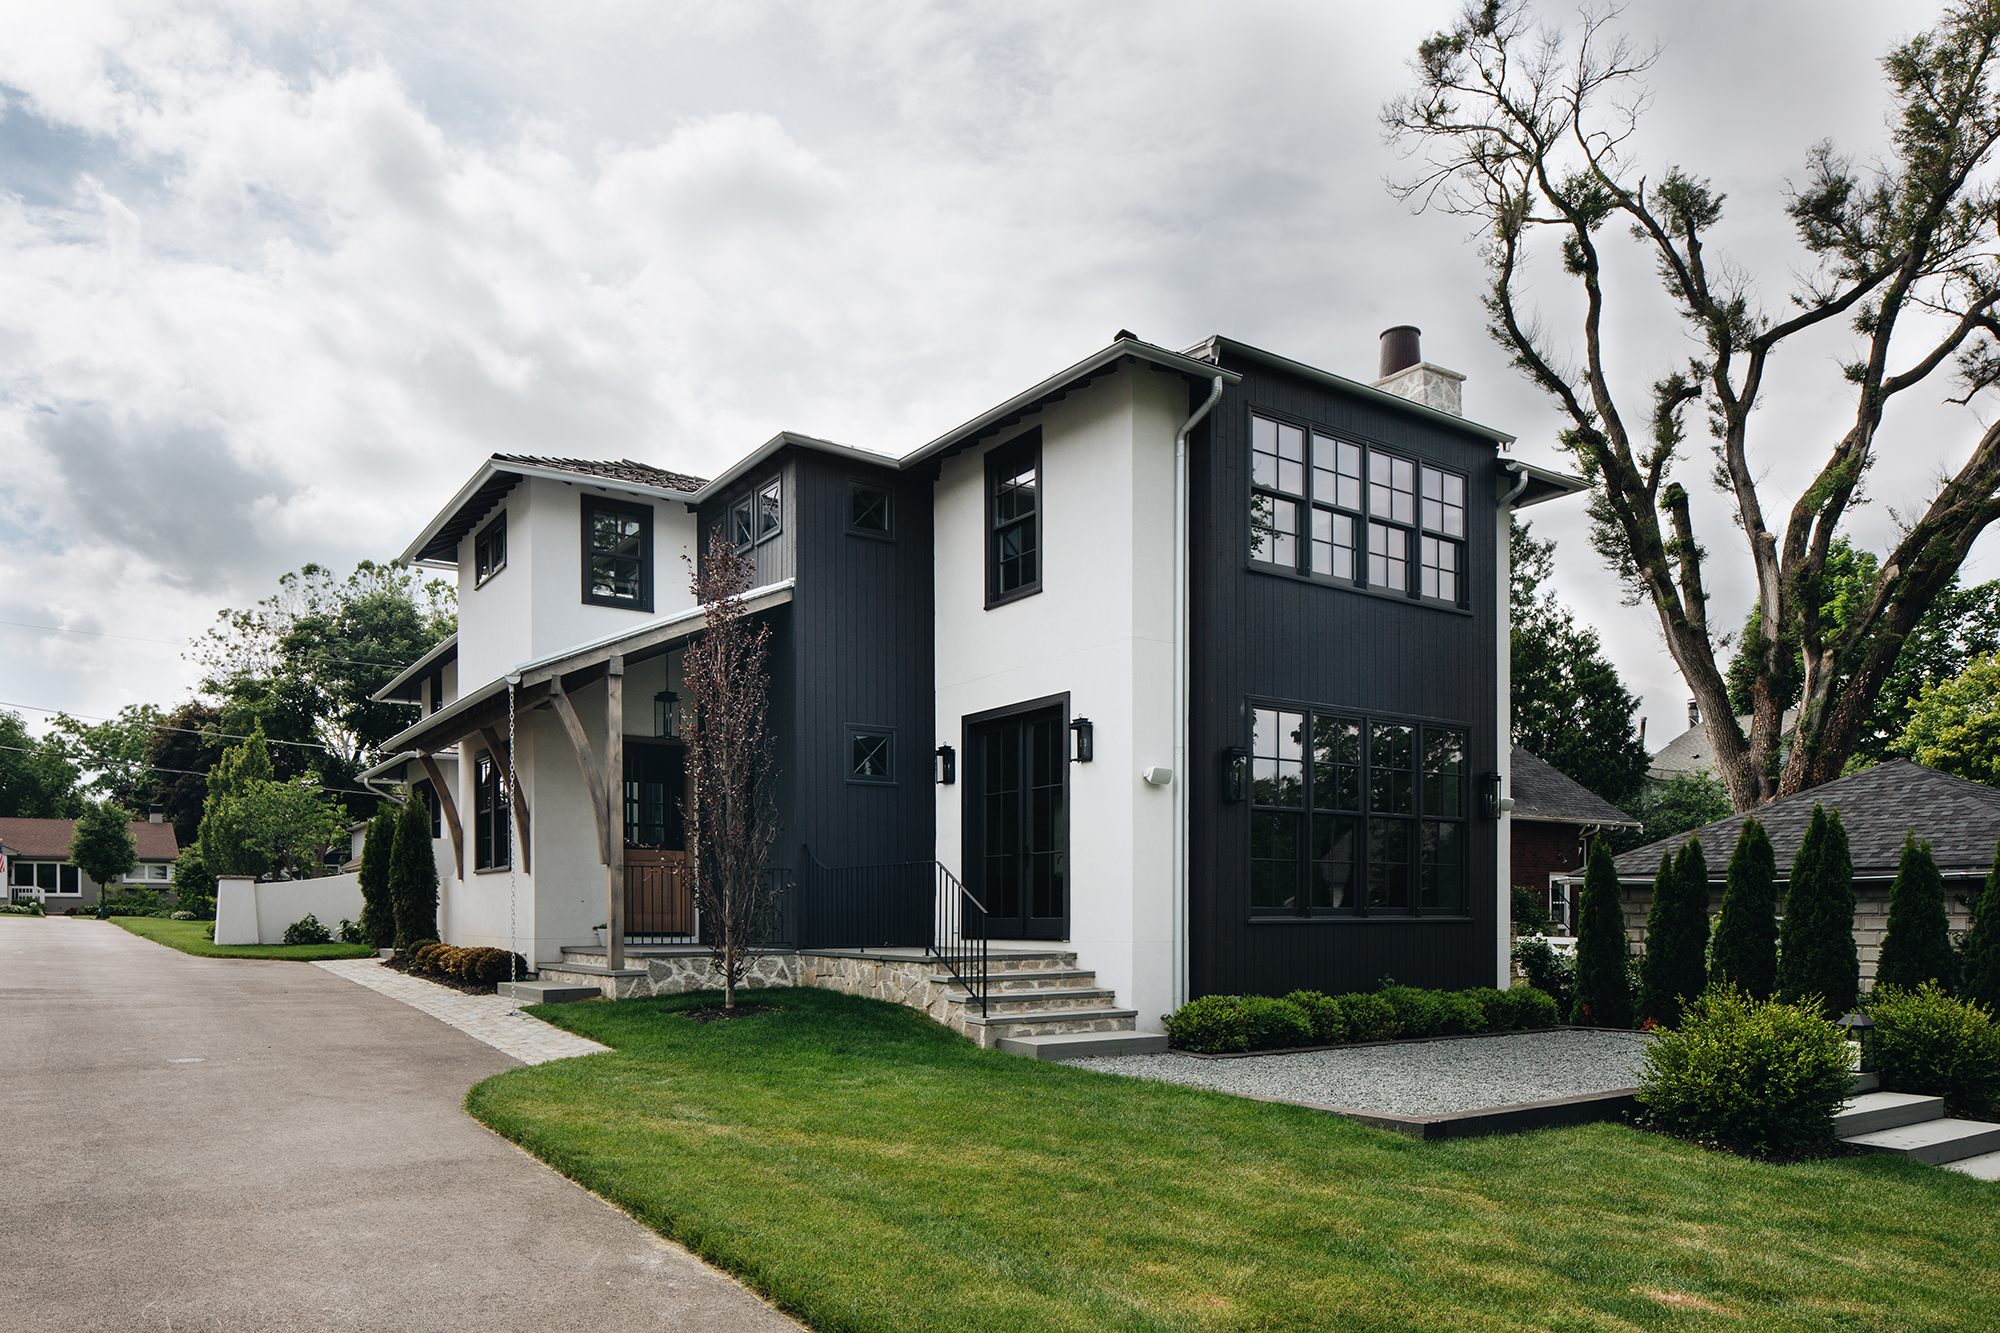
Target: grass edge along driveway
[(865, 1169), (192, 937)]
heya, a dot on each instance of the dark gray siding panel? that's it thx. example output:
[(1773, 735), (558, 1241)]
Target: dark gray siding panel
[(1267, 636)]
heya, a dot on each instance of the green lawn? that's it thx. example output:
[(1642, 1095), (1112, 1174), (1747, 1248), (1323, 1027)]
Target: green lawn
[(192, 937), (866, 1169)]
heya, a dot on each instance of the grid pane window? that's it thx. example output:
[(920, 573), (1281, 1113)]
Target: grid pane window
[(1274, 530), (1277, 456), (618, 555), (1437, 569), (1392, 488), (489, 551), (1014, 510), (1352, 815), (1388, 558), (1333, 544), (1336, 472), (491, 847), (1444, 502)]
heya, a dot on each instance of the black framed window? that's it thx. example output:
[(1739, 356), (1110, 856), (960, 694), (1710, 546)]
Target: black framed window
[(489, 550), (871, 755), (423, 791), (617, 554), (770, 509), (868, 510), (52, 877), (492, 849), (742, 523), (437, 689), (1336, 510), (1355, 816), (1014, 519)]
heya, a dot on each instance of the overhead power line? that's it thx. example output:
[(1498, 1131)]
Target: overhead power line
[(319, 653), (195, 773)]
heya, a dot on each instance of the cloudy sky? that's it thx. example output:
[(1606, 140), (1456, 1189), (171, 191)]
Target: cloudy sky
[(274, 276)]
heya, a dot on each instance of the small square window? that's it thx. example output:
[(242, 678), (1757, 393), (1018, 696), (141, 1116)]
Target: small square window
[(868, 510), (489, 552), (870, 756), (770, 511)]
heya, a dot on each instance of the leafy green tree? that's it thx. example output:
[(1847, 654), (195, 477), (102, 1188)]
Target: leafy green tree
[(1917, 945), (1955, 724), (1603, 987), (1677, 805), (1674, 970), (37, 780), (1817, 959), (114, 752), (194, 886), (1746, 933), (1534, 136), (413, 881), (1981, 965), (102, 845), (378, 912), (1569, 707), (184, 748), (294, 822), (229, 840)]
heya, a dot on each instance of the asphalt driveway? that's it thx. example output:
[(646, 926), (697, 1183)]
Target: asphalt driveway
[(221, 1144)]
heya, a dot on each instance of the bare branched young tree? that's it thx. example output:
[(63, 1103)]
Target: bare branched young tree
[(735, 818), (1528, 131)]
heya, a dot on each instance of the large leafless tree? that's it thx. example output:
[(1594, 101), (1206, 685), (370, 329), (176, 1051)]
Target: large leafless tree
[(734, 819), (1530, 133)]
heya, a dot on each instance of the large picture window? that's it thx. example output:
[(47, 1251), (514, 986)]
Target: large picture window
[(1338, 511), (1014, 519), (617, 554), (492, 849), (1355, 816)]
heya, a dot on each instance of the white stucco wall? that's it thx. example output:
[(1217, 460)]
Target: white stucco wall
[(1101, 630), (247, 912)]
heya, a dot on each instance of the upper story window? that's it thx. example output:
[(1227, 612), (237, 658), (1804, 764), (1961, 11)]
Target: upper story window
[(1339, 511), (770, 510), (492, 848), (489, 550), (1355, 816), (868, 510), (870, 755), (742, 523), (617, 554), (1014, 519)]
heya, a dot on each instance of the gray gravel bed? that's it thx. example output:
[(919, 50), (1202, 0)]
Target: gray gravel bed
[(1413, 1078)]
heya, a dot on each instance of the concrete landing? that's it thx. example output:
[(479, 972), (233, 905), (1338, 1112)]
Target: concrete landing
[(546, 992), (1986, 1166), (1079, 1045)]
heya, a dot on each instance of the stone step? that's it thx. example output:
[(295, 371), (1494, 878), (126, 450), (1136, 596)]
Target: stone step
[(1028, 962), (1934, 1141), (548, 992), (1078, 1045), (1986, 1166), (1044, 1022), (1884, 1110), (1014, 982), (1033, 1002)]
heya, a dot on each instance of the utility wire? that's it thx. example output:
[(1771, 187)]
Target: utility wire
[(196, 773), (319, 653), (161, 726)]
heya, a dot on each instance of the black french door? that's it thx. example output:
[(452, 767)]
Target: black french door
[(1019, 810)]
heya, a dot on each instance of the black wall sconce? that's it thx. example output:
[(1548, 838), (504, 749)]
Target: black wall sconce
[(1235, 773), (947, 765), (1082, 743), (666, 713), (1491, 803)]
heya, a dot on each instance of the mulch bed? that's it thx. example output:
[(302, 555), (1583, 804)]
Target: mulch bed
[(401, 963)]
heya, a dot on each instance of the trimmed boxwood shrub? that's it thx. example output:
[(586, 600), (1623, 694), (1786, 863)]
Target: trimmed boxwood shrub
[(1276, 1023), (1419, 1012), (307, 930), (1760, 1077), (1210, 1025), (1930, 1043), (1534, 1008), (1328, 1017), (1462, 1011), (1496, 1008), (1370, 1018)]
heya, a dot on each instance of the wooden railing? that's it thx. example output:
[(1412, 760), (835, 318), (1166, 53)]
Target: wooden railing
[(659, 904)]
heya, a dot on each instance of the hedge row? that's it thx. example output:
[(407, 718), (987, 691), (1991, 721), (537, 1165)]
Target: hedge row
[(1218, 1023), (481, 966)]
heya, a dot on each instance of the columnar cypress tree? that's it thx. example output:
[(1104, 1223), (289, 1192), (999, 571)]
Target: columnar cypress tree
[(1746, 935), (413, 881), (1917, 946), (1603, 994), (1675, 967), (1981, 983), (378, 913), (1818, 958)]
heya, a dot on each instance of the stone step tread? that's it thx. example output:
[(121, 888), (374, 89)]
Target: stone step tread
[(1061, 1001), (1986, 1166), (1049, 974), (1934, 1141), (1872, 1111), (548, 992), (1049, 1015), (1080, 1045)]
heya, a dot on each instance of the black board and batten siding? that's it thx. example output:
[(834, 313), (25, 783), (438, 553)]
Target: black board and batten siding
[(1264, 636)]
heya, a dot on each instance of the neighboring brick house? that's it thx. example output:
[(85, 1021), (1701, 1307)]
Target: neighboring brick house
[(1555, 817), (1960, 819), (34, 856)]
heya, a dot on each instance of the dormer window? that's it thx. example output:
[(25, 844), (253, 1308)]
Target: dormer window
[(489, 551), (617, 554)]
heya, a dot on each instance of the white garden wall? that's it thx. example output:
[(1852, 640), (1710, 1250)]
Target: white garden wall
[(247, 912)]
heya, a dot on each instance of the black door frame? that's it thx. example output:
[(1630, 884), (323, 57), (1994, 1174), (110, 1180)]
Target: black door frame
[(972, 817)]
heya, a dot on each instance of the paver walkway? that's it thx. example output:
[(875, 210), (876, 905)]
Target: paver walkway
[(491, 1018), (240, 1144)]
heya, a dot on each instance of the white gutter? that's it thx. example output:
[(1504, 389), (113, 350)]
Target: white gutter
[(1181, 672), (448, 643)]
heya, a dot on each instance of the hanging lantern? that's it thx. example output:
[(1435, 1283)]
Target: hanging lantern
[(666, 713)]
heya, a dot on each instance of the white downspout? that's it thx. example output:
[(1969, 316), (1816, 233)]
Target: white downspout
[(1180, 872)]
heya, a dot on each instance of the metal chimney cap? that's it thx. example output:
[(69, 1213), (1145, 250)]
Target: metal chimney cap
[(1399, 349)]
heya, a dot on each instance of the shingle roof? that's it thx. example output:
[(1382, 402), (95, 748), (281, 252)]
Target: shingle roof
[(1961, 819), (1690, 751), (623, 469), (1546, 794), (50, 838)]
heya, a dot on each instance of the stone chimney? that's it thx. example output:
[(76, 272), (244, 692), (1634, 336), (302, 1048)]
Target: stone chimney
[(1694, 714), (1405, 373)]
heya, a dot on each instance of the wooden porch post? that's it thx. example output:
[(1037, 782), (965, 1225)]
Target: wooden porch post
[(614, 820)]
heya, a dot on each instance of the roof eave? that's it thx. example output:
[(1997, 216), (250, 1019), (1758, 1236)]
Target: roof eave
[(448, 644), (1381, 397), (785, 439), (492, 467)]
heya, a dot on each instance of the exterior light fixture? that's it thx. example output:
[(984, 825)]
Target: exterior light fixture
[(1860, 1032), (1081, 742), (1491, 803), (947, 765), (1235, 773), (666, 713)]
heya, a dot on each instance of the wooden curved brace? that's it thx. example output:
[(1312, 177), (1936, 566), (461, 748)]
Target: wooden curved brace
[(450, 809)]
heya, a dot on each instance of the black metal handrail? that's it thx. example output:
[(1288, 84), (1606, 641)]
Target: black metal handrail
[(902, 905), (959, 942)]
